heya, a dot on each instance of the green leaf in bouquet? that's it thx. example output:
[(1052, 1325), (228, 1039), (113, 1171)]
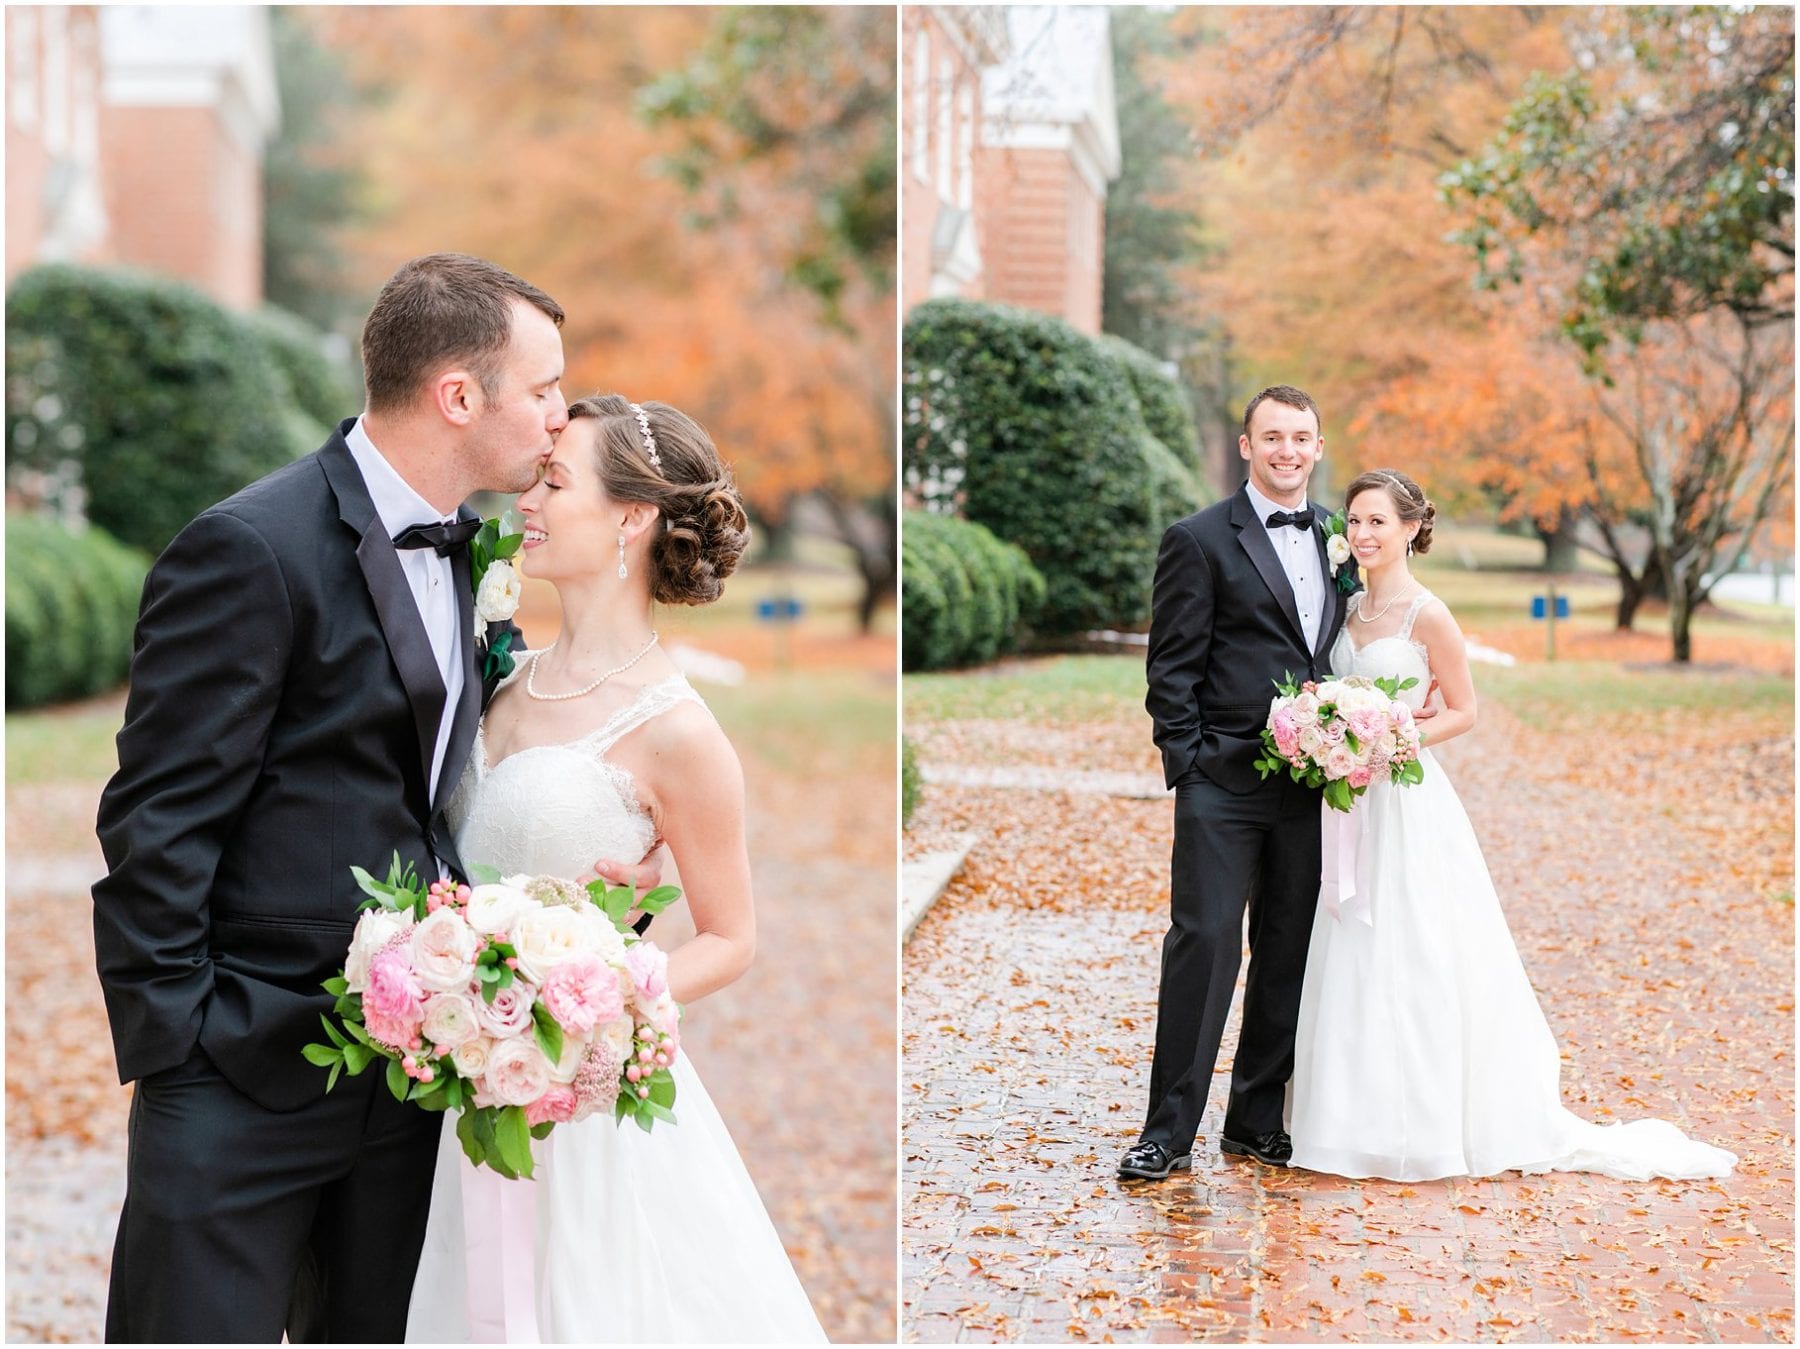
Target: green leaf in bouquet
[(371, 887), (481, 874), (331, 1081), (543, 1130), (1351, 740), (322, 1056), (662, 1087), (337, 985), (645, 1120), (661, 1112), (431, 1088), (514, 1136), (357, 1057), (356, 1029), (616, 902), (432, 1103), (466, 1135), (623, 1106), (332, 1033), (655, 901), (549, 1033), (397, 1079)]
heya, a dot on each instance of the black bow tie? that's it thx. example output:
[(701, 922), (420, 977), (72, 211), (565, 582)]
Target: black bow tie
[(445, 538), (1300, 519)]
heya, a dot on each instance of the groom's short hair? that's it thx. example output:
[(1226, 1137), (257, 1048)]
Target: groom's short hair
[(1288, 396), (438, 312)]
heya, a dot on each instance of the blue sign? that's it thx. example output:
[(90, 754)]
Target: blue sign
[(1538, 606), (784, 610)]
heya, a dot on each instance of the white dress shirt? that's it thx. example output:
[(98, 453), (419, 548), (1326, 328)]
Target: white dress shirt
[(431, 577), (1298, 551)]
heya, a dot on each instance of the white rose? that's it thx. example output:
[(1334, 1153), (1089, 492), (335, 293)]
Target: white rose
[(517, 1073), (1337, 548), (495, 908), (497, 598), (1332, 690), (450, 1021), (1311, 742), (443, 951), (617, 1035), (373, 931), (471, 1057), (565, 1068), (544, 937)]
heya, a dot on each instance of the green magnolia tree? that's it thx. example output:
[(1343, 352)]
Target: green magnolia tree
[(786, 117), (1647, 196)]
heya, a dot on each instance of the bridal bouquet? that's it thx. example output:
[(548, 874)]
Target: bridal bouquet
[(1341, 734), (522, 1003)]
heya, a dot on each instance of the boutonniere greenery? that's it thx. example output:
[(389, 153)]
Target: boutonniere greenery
[(497, 589), (1337, 552)]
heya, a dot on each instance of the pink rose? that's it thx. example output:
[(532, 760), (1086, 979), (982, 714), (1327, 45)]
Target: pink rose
[(582, 992), (1358, 776), (555, 1106), (509, 1014), (394, 1032), (443, 951), (450, 1021), (516, 1072), (1332, 732), (663, 1015), (648, 966), (1339, 761), (393, 993)]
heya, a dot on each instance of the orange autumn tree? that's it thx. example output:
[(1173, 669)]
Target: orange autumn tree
[(513, 133), (1323, 132)]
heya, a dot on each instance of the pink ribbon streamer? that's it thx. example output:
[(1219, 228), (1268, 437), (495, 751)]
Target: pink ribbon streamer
[(500, 1239), (1343, 886)]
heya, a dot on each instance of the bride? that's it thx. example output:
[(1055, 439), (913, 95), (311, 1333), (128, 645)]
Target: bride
[(1421, 1051), (596, 747)]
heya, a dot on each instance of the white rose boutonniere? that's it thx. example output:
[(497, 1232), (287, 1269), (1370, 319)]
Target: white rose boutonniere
[(497, 597), (497, 591), (1337, 552)]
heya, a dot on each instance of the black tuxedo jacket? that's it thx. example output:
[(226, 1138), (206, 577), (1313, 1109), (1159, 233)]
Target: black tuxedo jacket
[(1223, 628), (281, 724)]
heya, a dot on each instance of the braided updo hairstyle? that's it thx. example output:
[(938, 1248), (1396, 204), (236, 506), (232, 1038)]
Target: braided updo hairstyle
[(1408, 497), (704, 530)]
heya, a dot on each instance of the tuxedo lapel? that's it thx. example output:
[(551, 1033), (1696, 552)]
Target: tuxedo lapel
[(407, 641), (1254, 536), (468, 707), (1327, 631)]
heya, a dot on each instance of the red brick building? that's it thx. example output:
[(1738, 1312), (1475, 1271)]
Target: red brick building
[(1011, 139), (944, 50), (135, 135)]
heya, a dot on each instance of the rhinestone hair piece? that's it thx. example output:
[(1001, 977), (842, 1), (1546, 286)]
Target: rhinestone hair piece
[(643, 421)]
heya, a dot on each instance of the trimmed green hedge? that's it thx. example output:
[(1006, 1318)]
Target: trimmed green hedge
[(71, 607), (910, 781), (964, 594), (158, 402), (1040, 433)]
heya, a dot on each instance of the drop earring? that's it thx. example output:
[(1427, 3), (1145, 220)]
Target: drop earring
[(622, 572)]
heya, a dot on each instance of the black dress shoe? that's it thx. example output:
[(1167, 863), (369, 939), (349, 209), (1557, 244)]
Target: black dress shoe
[(1274, 1148), (1152, 1161)]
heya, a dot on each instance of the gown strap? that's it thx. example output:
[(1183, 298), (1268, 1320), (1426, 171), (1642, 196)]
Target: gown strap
[(1419, 601)]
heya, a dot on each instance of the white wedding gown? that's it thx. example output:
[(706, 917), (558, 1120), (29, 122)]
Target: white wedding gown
[(640, 1237), (1421, 1051)]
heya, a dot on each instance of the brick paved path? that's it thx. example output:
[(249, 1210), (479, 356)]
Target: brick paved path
[(1026, 1035)]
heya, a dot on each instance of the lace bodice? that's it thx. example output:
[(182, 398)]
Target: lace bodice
[(554, 810), (1394, 654)]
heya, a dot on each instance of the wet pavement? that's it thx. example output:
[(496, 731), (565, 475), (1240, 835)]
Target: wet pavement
[(1662, 962)]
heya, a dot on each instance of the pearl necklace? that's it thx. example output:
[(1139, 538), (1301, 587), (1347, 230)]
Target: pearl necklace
[(1370, 618), (531, 674)]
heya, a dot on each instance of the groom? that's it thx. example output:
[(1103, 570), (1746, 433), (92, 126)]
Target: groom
[(305, 690), (1244, 594)]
